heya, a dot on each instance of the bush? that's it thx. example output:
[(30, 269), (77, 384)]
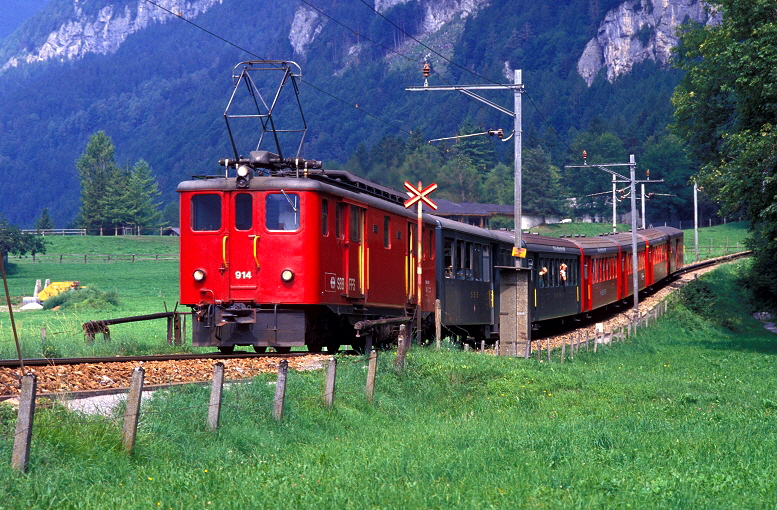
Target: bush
[(82, 299)]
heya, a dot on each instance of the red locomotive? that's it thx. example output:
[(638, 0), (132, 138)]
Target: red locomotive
[(279, 253)]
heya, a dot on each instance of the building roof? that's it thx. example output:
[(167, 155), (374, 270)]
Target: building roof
[(446, 208)]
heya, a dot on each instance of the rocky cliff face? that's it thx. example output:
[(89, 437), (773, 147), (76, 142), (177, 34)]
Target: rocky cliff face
[(638, 30), (309, 23), (104, 33)]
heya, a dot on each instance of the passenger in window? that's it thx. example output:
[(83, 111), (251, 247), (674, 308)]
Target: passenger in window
[(562, 270)]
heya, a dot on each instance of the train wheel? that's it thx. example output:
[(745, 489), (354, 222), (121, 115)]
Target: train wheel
[(283, 350), (332, 348), (226, 349), (317, 348), (260, 349)]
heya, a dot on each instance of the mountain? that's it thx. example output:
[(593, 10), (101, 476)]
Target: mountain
[(156, 76)]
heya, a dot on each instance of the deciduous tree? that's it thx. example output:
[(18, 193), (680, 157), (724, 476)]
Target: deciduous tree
[(726, 109)]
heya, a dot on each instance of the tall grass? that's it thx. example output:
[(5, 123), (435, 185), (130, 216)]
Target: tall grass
[(680, 416)]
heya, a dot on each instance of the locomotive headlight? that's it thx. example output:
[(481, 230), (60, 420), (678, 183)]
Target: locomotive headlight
[(198, 275), (244, 173), (287, 275)]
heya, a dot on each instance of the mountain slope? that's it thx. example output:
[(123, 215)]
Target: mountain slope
[(160, 89)]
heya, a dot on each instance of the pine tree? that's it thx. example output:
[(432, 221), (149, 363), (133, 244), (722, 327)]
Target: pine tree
[(100, 183), (44, 221), (138, 199)]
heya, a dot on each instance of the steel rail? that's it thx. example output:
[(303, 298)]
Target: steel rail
[(39, 362)]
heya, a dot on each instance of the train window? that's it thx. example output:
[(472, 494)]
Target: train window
[(206, 212), (460, 260), (324, 217), (386, 232), (243, 208), (339, 220), (356, 222), (486, 263), (447, 254), (282, 211), (431, 251), (542, 281), (477, 262)]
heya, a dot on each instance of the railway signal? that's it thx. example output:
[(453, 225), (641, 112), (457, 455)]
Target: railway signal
[(420, 196)]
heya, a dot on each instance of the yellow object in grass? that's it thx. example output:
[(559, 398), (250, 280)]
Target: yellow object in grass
[(55, 288)]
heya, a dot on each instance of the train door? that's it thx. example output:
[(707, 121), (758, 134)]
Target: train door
[(354, 252), (241, 245), (203, 220)]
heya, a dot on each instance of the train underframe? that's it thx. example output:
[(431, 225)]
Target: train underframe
[(319, 327)]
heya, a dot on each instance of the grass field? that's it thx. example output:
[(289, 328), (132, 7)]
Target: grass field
[(678, 417)]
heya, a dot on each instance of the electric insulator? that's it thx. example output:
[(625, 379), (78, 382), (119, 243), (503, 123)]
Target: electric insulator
[(648, 174), (427, 70), (585, 155), (500, 133)]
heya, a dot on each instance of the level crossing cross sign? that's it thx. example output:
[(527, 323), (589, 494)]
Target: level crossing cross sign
[(418, 194)]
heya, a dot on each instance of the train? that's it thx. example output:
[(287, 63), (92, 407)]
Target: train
[(278, 253), (289, 260)]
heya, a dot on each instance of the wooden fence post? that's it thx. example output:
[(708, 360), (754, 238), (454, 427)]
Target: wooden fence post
[(399, 363), (21, 442), (132, 411), (371, 369), (214, 408), (563, 348), (280, 390), (548, 350), (329, 391), (437, 323)]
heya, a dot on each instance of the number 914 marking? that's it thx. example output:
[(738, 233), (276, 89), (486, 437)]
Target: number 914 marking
[(243, 275)]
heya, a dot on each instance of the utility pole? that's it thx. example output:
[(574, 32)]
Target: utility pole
[(523, 322), (632, 180)]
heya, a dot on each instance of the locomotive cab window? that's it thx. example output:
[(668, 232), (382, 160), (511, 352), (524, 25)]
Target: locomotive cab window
[(206, 212), (243, 209), (282, 211)]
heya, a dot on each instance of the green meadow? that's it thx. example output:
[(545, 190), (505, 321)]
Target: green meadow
[(679, 416)]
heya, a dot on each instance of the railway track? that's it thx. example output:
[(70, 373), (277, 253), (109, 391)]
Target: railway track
[(42, 362), (82, 377)]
